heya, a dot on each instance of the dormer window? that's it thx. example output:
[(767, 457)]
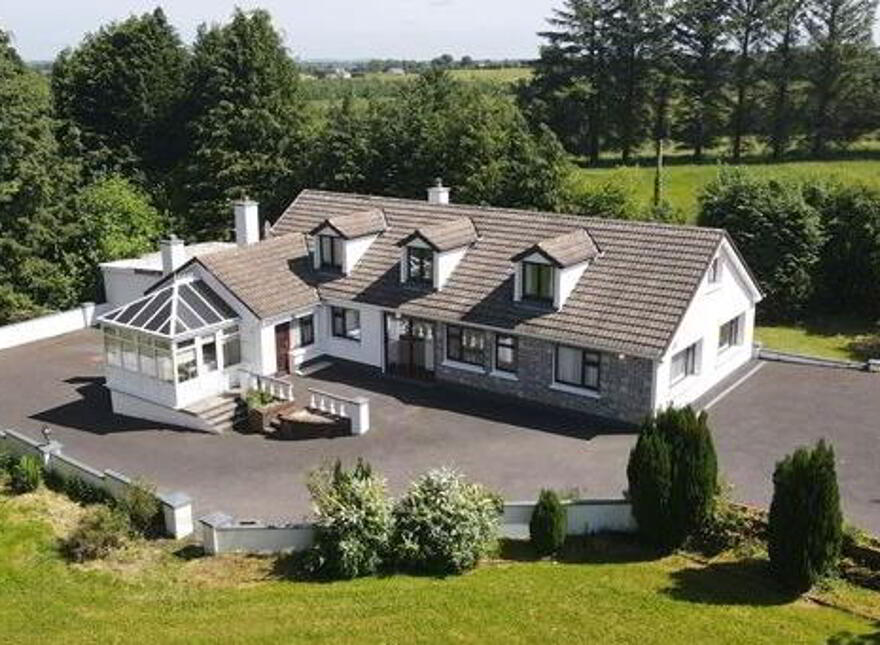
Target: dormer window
[(341, 241), (537, 282), (330, 251), (420, 263), (429, 255), (547, 272)]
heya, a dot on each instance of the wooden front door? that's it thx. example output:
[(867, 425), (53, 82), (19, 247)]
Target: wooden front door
[(282, 348)]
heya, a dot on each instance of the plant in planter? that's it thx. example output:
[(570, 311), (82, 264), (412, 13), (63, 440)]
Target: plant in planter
[(261, 406)]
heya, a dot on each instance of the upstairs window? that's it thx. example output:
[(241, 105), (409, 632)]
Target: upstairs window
[(729, 334), (330, 249), (684, 363), (537, 282), (715, 271), (577, 367), (466, 345), (346, 323), (420, 265)]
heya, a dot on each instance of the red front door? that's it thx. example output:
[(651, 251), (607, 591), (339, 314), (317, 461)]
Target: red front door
[(282, 348)]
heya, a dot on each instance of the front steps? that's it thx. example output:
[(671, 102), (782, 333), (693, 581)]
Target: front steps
[(221, 413)]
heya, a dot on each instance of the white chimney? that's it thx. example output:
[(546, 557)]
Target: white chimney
[(173, 254), (438, 193), (247, 222)]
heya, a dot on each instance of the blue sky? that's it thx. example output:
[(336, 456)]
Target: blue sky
[(313, 29)]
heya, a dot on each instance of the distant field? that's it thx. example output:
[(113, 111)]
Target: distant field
[(501, 75), (684, 182)]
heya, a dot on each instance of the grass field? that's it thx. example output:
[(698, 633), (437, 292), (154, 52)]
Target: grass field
[(683, 182), (837, 337), (160, 593)]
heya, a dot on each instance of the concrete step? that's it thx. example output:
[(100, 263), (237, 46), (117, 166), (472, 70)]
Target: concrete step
[(307, 369)]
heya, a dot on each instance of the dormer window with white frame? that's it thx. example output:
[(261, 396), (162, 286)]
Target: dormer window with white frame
[(546, 273), (340, 242), (429, 255)]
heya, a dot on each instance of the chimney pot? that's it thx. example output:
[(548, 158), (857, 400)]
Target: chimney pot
[(247, 222), (173, 254), (438, 193)]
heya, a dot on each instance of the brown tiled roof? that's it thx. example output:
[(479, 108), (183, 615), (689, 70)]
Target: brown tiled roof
[(564, 250), (266, 276), (629, 300), (445, 236), (357, 224)]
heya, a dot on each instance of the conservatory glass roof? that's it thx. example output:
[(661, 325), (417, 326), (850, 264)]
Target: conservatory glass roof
[(178, 309)]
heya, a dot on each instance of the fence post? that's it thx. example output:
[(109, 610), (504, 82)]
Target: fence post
[(360, 420), (48, 450), (177, 512), (210, 524)]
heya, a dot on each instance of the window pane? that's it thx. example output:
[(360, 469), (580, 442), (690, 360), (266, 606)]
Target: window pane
[(147, 355), (129, 355), (231, 351), (186, 365), (164, 366), (306, 331), (546, 282), (353, 323), (209, 355), (505, 355), (569, 365)]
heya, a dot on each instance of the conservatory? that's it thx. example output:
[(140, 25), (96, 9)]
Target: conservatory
[(172, 347)]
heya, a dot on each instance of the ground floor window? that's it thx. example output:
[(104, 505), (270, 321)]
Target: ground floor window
[(577, 367), (506, 353), (231, 347), (209, 353), (346, 323), (684, 363), (466, 345), (729, 334), (187, 365), (306, 330)]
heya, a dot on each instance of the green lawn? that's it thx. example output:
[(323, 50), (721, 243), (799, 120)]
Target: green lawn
[(683, 182), (829, 337), (616, 596)]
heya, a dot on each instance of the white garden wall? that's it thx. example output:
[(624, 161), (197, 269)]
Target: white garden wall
[(50, 325)]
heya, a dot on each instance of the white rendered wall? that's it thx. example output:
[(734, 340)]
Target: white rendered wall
[(132, 406), (353, 251), (713, 305), (123, 285), (369, 350), (50, 325), (565, 280), (444, 265)]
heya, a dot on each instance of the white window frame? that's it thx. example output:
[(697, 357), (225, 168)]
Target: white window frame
[(691, 357)]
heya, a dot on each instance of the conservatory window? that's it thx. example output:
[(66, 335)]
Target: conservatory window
[(231, 347), (187, 366), (209, 353)]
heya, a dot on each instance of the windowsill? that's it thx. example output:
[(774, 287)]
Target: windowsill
[(465, 367), (507, 376), (577, 391), (682, 379)]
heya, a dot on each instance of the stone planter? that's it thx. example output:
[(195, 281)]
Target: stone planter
[(258, 419)]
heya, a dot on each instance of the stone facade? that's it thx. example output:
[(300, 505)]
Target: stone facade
[(624, 388)]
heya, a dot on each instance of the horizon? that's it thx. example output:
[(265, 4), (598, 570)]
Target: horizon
[(388, 29)]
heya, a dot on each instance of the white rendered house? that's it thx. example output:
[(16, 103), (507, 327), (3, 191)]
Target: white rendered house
[(615, 319)]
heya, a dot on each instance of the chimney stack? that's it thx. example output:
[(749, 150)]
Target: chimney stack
[(247, 222), (438, 193), (173, 254)]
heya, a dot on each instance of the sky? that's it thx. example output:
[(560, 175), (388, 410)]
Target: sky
[(313, 29)]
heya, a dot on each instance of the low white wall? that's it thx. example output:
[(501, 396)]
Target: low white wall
[(133, 406), (223, 534), (176, 507), (50, 325)]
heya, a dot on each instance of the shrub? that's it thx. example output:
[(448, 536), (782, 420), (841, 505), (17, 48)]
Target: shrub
[(444, 524), (673, 476), (649, 472), (777, 231), (257, 399), (141, 506), (81, 491), (548, 525), (26, 474), (805, 526), (100, 531), (353, 525), (7, 461)]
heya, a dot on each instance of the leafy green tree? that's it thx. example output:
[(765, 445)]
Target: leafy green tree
[(343, 150), (548, 525), (700, 33), (840, 38), (649, 472), (778, 232), (850, 265), (120, 91), (805, 527), (246, 122), (35, 180)]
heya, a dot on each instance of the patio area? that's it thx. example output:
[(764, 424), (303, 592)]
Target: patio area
[(513, 447)]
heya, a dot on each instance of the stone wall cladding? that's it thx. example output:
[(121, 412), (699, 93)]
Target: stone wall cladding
[(625, 385)]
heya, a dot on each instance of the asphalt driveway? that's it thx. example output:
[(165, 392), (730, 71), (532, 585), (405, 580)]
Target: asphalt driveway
[(514, 448)]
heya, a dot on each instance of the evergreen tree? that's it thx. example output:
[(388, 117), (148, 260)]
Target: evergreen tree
[(344, 154), (246, 122), (749, 26), (120, 92), (649, 472), (786, 27), (805, 522), (548, 525), (701, 27), (840, 35)]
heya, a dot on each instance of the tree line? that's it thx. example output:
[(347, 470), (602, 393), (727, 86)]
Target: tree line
[(134, 134), (793, 74)]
